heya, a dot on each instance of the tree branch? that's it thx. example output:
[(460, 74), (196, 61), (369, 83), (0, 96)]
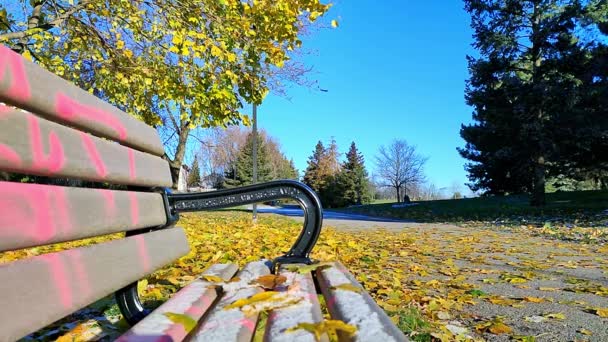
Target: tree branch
[(44, 26)]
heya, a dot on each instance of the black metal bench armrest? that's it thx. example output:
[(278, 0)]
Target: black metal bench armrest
[(270, 191), (128, 298)]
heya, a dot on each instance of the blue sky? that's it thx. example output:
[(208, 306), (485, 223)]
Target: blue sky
[(393, 70)]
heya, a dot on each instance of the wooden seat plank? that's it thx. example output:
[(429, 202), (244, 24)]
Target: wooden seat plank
[(233, 324), (355, 307), (27, 85), (32, 145), (42, 289), (36, 214), (194, 301), (308, 310)]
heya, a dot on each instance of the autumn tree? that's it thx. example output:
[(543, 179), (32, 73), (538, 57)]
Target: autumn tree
[(194, 177), (176, 64), (322, 174), (353, 178), (400, 166)]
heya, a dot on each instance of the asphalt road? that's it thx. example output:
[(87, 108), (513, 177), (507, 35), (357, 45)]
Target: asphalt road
[(337, 219)]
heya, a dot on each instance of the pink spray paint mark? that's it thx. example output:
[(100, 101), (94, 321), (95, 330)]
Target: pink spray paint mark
[(132, 173), (79, 269), (4, 109), (19, 88), (62, 222), (91, 149), (177, 332), (26, 211), (142, 250), (52, 162), (60, 278), (109, 203), (195, 311), (248, 323), (71, 110), (134, 205), (33, 212), (10, 156)]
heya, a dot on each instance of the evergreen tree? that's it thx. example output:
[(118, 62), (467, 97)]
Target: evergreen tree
[(287, 170), (194, 177), (242, 173), (313, 174), (582, 132), (518, 87), (354, 179)]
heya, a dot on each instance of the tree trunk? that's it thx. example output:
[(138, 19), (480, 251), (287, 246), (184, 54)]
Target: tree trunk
[(538, 190), (176, 164), (398, 194)]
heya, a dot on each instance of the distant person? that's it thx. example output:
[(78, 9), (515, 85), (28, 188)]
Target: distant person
[(406, 199)]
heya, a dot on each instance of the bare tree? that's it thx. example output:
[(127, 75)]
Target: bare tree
[(399, 166), (430, 192)]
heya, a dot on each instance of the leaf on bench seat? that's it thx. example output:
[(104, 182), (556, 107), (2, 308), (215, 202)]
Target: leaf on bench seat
[(270, 281), (212, 278), (263, 301), (186, 321), (318, 329), (347, 287), (303, 269)]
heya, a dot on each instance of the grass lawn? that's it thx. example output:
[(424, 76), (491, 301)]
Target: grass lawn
[(584, 206)]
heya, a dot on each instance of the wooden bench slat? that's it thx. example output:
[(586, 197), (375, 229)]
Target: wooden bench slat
[(32, 145), (306, 311), (40, 290), (27, 85), (36, 214), (355, 308), (233, 324), (194, 301)]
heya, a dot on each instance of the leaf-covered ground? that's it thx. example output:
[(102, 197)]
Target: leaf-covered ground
[(438, 282)]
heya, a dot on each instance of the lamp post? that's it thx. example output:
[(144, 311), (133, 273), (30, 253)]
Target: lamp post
[(255, 156)]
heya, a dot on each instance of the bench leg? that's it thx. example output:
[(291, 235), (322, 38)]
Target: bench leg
[(130, 306)]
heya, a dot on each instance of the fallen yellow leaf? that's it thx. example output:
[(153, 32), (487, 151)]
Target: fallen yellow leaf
[(498, 328), (270, 281), (534, 299), (318, 329), (186, 321), (347, 287), (212, 278), (585, 332)]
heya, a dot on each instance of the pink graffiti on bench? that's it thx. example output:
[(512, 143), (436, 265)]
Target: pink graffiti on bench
[(11, 63)]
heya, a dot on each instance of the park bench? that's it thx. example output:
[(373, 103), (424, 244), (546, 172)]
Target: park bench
[(51, 128)]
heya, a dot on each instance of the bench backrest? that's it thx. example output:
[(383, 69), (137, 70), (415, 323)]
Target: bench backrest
[(49, 127)]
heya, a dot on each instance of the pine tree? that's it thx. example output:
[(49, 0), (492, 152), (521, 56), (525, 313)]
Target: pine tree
[(242, 173), (518, 86), (194, 177), (312, 176), (354, 179)]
